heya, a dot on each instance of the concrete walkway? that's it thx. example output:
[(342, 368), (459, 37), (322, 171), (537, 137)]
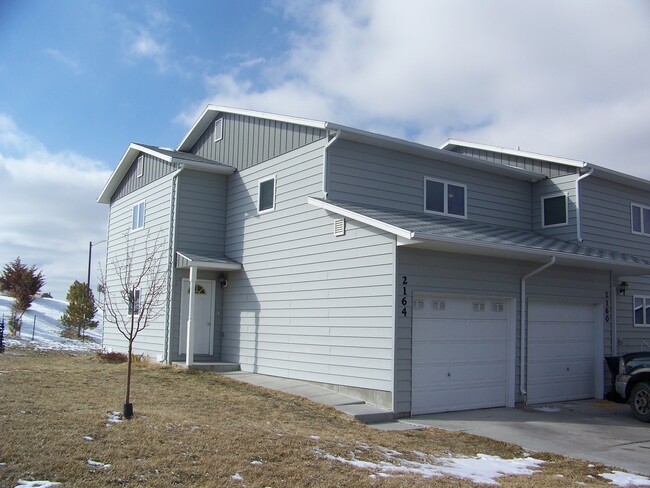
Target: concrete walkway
[(358, 409)]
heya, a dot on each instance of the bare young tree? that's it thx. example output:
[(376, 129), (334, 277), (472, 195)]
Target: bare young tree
[(134, 290)]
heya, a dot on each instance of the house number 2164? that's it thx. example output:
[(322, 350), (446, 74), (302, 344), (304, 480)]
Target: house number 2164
[(404, 296)]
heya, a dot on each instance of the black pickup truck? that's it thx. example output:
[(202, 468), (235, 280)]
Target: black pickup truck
[(633, 383)]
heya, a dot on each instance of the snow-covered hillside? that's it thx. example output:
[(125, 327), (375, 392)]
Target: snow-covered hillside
[(47, 331)]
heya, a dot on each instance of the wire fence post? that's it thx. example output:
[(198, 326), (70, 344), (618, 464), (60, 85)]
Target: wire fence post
[(34, 327), (2, 334)]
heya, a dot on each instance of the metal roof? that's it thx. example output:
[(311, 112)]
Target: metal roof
[(216, 262), (461, 235)]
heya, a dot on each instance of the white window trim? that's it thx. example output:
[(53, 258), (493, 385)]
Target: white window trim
[(217, 130), (566, 209), (642, 207), (140, 166), (446, 203), (144, 215), (259, 193), (646, 299)]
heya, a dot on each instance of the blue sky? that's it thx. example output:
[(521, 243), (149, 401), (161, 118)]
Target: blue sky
[(80, 80)]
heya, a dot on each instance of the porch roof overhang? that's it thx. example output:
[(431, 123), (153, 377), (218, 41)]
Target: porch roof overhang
[(434, 232), (186, 260)]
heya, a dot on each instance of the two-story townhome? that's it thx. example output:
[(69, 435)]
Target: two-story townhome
[(421, 279)]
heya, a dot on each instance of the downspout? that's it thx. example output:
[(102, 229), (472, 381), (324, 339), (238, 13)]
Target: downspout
[(171, 261), (524, 327), (325, 161), (578, 213)]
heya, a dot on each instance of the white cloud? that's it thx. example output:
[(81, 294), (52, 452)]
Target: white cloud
[(64, 59), (555, 77), (48, 208)]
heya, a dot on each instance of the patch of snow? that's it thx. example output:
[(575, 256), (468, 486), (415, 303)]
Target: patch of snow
[(257, 463), (98, 464), (47, 329), (620, 478), (548, 409), (314, 437), (237, 477), (88, 438), (37, 484), (114, 418), (480, 469)]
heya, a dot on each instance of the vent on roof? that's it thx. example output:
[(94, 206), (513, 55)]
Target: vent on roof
[(140, 167), (218, 129), (339, 227)]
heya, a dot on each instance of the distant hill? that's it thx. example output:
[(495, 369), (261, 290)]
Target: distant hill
[(47, 332)]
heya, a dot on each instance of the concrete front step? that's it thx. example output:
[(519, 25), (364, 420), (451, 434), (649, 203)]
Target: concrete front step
[(367, 414), (215, 367)]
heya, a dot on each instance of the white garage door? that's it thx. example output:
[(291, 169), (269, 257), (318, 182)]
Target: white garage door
[(460, 354), (562, 351)]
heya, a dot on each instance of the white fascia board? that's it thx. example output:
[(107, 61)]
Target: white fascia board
[(122, 169), (398, 231), (618, 177), (451, 143), (221, 169), (211, 110)]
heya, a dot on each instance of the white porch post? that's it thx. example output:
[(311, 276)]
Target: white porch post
[(189, 353)]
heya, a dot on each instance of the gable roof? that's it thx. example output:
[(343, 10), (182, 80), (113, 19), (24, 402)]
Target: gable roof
[(357, 135), (181, 159), (582, 166), (460, 235)]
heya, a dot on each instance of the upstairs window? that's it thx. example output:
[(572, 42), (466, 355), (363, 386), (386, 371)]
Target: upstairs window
[(137, 222), (554, 210), (218, 129), (266, 195), (641, 311), (443, 197), (640, 219)]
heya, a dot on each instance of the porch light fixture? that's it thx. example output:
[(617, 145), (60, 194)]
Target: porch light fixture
[(622, 288), (223, 281)]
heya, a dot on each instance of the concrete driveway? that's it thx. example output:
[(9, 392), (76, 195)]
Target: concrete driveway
[(596, 430)]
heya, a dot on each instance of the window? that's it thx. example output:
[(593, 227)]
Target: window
[(554, 210), (140, 168), (640, 219), (138, 216), (218, 129), (641, 311), (445, 198), (266, 195), (134, 302)]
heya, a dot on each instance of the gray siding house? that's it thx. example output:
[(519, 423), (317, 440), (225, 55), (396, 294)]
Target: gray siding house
[(420, 279)]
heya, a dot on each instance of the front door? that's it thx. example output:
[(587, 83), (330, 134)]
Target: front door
[(203, 316)]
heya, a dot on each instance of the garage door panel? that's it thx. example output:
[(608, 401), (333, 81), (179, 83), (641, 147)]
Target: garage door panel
[(561, 351), (459, 355)]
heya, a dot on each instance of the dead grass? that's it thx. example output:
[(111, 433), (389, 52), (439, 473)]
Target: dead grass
[(200, 429)]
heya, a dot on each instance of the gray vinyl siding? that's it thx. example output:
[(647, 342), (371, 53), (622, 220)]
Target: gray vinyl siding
[(606, 216), (632, 338), (248, 141), (547, 168), (364, 174), (306, 304), (157, 198), (153, 169), (554, 186), (457, 274), (201, 213)]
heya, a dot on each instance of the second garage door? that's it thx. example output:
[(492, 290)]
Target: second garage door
[(460, 353), (562, 351)]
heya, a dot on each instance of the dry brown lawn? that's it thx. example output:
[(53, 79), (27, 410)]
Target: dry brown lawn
[(201, 429)]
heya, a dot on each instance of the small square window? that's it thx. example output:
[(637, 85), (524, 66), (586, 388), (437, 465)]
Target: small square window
[(554, 210), (418, 304), (438, 305), (266, 195), (479, 306), (218, 129), (497, 307), (137, 221), (445, 198), (140, 167), (640, 219), (641, 311)]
